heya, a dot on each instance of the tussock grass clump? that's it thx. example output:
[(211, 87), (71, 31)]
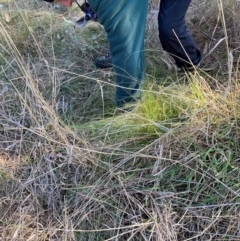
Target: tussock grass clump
[(73, 168)]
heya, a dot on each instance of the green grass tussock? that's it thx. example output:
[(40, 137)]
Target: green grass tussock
[(72, 167)]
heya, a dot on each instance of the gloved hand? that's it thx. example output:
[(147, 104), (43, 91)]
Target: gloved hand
[(89, 13), (85, 7)]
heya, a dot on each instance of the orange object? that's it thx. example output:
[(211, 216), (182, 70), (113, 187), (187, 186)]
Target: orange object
[(67, 3)]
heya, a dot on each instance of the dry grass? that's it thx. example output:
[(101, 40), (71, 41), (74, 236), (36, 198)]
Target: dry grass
[(73, 169)]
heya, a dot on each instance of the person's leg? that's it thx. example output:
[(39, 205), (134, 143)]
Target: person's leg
[(124, 22), (173, 34)]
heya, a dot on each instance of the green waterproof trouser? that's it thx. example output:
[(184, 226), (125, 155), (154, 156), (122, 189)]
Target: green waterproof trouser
[(124, 22)]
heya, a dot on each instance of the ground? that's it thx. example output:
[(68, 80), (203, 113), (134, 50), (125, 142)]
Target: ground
[(73, 168)]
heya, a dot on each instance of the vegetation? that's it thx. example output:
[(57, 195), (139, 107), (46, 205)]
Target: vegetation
[(73, 168)]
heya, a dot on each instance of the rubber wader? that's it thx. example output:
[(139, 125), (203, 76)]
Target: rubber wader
[(124, 22)]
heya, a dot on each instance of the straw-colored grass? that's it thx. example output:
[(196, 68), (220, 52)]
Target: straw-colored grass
[(72, 168)]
